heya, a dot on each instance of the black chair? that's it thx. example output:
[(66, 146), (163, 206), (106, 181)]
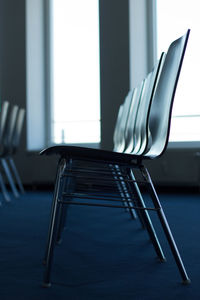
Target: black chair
[(119, 136), (124, 132), (135, 133), (135, 137), (84, 174)]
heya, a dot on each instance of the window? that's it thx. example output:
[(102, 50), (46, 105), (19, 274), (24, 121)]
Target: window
[(174, 17), (75, 82)]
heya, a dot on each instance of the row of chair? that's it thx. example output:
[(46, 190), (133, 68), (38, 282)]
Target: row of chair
[(118, 178), (11, 123)]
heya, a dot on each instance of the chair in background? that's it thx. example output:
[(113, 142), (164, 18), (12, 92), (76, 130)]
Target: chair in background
[(83, 171), (10, 143), (123, 133), (14, 148), (135, 132), (6, 143), (3, 120), (118, 137)]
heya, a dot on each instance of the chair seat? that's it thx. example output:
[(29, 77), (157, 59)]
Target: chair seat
[(91, 153)]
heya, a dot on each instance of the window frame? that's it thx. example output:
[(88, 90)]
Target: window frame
[(171, 144), (35, 75)]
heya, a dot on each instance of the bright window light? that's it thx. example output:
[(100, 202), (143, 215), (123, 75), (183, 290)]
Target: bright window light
[(75, 107), (174, 17)]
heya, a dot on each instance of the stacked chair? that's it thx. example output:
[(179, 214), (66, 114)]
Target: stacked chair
[(3, 119), (12, 118), (13, 148), (118, 178)]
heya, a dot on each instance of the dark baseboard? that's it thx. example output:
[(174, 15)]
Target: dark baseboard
[(178, 189), (159, 188), (39, 187)]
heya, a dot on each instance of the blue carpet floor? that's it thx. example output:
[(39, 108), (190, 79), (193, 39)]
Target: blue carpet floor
[(104, 254)]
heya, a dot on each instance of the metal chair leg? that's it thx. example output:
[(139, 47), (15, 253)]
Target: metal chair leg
[(4, 190), (63, 209), (9, 177), (56, 195), (124, 191), (16, 174), (147, 221), (53, 226), (166, 227), (134, 198), (51, 245)]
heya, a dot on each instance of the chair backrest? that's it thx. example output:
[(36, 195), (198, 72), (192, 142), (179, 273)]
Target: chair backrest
[(129, 136), (140, 132), (119, 146), (116, 137), (159, 115), (136, 137), (18, 129), (9, 129), (3, 118)]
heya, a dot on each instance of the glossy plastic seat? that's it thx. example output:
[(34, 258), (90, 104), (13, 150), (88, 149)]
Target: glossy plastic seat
[(79, 179)]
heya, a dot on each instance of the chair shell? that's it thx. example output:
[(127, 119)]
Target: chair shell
[(87, 176), (159, 116), (120, 146), (131, 121)]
